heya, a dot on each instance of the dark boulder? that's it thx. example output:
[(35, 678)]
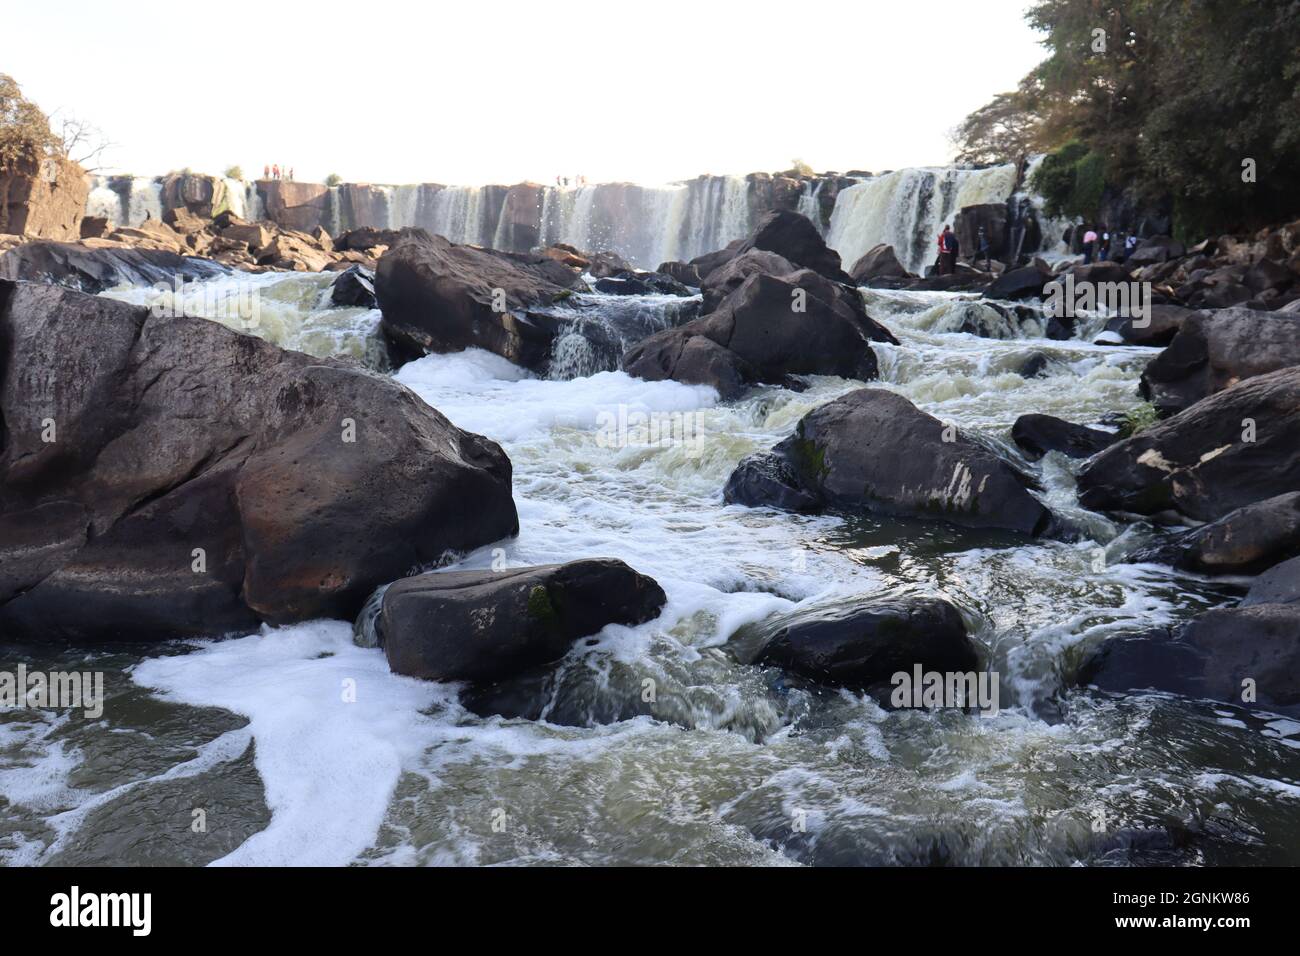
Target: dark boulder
[(1217, 349), (757, 335), (437, 296), (641, 283), (874, 451), (1036, 435), (1026, 282), (794, 237), (1251, 539), (1035, 366), (729, 276), (683, 272), (1236, 447), (1156, 329), (863, 642), (992, 218), (711, 260), (79, 267), (1218, 656), (768, 479), (878, 262), (354, 287), (200, 481), (367, 237), (1155, 250), (493, 625), (1280, 584), (1098, 272)]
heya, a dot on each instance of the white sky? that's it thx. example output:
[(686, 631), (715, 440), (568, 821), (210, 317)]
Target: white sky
[(486, 91)]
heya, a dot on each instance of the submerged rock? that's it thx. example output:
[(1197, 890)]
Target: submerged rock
[(874, 451), (862, 642), (437, 296), (1213, 350), (1036, 435), (492, 625), (1229, 450), (1243, 656), (167, 478)]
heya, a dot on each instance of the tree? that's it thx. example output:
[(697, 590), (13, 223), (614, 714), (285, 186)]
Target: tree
[(24, 129), (800, 168), (235, 172), (81, 141), (1160, 98), (333, 179)]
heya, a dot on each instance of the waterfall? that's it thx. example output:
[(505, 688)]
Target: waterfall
[(125, 200), (810, 206), (1054, 243), (908, 208), (645, 225)]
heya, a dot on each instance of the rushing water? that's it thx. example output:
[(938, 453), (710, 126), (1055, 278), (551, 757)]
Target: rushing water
[(255, 730)]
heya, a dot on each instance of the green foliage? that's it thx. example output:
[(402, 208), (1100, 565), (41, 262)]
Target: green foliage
[(235, 172), (333, 179), (1168, 99), (1138, 420), (24, 129), (800, 168)]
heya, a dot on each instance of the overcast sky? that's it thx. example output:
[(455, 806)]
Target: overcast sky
[(482, 91)]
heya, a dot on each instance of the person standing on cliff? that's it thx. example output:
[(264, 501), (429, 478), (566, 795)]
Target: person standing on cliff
[(266, 172), (275, 171)]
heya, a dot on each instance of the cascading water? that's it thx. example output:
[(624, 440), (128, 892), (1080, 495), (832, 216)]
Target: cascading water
[(908, 208), (713, 770)]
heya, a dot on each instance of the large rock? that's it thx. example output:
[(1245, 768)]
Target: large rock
[(1026, 282), (1036, 435), (992, 217), (355, 287), (437, 296), (1231, 449), (878, 262), (1252, 538), (729, 276), (1213, 657), (492, 625), (863, 642), (168, 477), (874, 451), (1214, 350), (794, 237), (79, 267), (1156, 329), (42, 198), (757, 335), (1280, 584)]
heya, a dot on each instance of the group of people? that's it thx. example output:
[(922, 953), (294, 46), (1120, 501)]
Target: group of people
[(578, 180), (1099, 246), (276, 171)]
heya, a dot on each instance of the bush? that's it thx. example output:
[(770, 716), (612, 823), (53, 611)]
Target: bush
[(235, 172), (333, 179), (1071, 181), (800, 168)]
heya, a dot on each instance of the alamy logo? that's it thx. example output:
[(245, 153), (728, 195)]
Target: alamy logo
[(72, 909), (955, 690), (1130, 300), (56, 690), (240, 303), (629, 429)]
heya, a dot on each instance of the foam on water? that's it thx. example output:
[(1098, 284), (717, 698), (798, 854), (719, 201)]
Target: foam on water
[(715, 773)]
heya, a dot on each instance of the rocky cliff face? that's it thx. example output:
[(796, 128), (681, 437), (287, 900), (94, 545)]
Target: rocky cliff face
[(43, 199)]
